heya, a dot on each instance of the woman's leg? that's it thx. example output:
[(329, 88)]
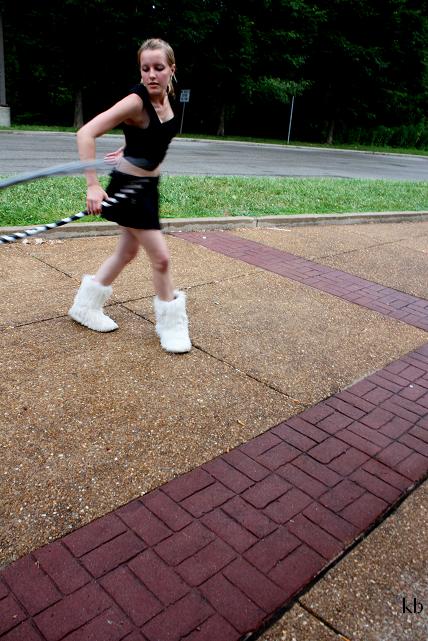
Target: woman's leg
[(94, 291), (126, 250), (154, 244), (169, 304)]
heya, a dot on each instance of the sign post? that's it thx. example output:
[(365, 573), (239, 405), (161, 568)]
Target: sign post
[(184, 97), (4, 109), (291, 118)]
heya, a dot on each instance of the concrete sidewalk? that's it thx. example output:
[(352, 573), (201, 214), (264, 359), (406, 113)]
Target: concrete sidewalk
[(269, 483)]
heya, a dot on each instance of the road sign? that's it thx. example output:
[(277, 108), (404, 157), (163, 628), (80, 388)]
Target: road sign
[(185, 95)]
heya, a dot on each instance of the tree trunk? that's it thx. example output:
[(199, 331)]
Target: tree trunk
[(220, 129), (330, 133), (78, 109)]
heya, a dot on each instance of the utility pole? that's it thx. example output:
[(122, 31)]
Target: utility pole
[(4, 109)]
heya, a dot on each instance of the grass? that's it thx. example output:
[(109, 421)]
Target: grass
[(50, 199)]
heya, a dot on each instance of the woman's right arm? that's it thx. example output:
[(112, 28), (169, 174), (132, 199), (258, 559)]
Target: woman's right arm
[(113, 156), (125, 109)]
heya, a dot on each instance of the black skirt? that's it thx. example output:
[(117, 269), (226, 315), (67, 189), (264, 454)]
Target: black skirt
[(139, 210)]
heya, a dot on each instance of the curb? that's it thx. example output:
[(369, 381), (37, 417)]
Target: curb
[(76, 230)]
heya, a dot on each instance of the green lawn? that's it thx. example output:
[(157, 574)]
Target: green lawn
[(47, 200)]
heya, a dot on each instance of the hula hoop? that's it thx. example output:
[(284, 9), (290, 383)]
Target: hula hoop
[(68, 168), (122, 194)]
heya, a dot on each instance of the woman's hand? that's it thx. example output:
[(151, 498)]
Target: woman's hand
[(114, 156), (94, 197)]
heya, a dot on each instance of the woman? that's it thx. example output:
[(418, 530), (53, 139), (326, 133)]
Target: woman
[(149, 124)]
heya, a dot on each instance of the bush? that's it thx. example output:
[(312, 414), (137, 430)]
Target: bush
[(405, 136)]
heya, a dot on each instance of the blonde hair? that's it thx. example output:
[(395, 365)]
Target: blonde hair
[(158, 43)]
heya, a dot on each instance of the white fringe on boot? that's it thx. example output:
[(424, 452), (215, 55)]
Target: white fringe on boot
[(87, 308), (172, 323)]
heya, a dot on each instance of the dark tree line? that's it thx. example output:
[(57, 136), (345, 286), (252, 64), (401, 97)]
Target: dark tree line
[(358, 70)]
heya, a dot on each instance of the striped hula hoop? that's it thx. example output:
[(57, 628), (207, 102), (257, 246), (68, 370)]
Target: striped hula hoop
[(111, 201)]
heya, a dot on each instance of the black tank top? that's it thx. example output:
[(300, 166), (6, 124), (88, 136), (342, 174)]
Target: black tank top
[(146, 148)]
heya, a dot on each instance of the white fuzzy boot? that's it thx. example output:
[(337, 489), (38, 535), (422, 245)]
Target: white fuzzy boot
[(172, 323), (87, 308)]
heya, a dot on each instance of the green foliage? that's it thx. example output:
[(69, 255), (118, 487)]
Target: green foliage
[(406, 136), (353, 66), (50, 199), (275, 90)]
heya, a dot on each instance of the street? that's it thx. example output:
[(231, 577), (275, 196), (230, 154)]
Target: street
[(25, 151)]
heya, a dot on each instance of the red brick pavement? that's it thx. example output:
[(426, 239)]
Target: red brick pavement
[(214, 553), (386, 300)]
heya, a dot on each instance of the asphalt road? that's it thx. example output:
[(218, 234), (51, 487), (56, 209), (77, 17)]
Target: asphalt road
[(25, 151)]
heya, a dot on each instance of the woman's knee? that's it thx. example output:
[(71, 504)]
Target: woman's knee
[(160, 262), (155, 247), (129, 253), (128, 248)]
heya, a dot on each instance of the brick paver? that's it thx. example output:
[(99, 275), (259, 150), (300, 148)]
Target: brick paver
[(386, 300), (214, 553), (218, 550)]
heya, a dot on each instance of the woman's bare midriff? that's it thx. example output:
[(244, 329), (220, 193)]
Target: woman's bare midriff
[(126, 167)]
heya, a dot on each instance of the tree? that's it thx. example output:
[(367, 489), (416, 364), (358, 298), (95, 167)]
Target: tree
[(352, 65), (73, 62), (241, 54), (361, 61)]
